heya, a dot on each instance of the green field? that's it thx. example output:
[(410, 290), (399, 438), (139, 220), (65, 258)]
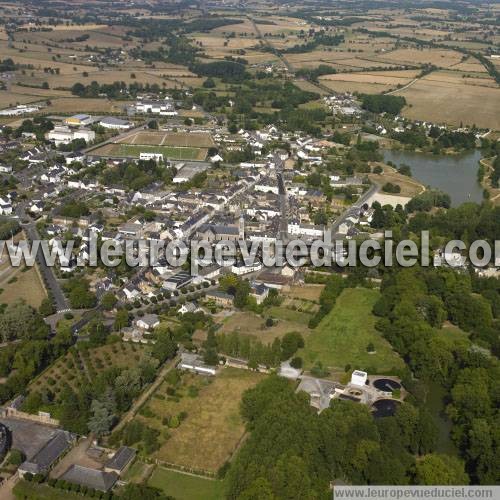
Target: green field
[(133, 151), (277, 312), (186, 487), (344, 334), (24, 489)]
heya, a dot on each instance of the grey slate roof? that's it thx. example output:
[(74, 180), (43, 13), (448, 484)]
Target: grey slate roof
[(120, 459), (92, 478), (54, 448)]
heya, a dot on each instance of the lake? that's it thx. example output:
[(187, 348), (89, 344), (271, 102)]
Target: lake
[(455, 175)]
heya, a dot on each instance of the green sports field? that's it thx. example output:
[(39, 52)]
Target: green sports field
[(133, 151)]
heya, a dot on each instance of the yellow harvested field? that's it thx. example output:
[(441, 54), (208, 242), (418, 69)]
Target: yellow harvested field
[(19, 282), (381, 77), (107, 77), (100, 36), (373, 82), (213, 428), (254, 57), (26, 284), (442, 99), (439, 57), (40, 93), (281, 24), (214, 42), (238, 29), (471, 65), (9, 99), (74, 104)]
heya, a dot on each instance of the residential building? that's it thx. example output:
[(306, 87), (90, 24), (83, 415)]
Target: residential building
[(220, 298), (148, 322)]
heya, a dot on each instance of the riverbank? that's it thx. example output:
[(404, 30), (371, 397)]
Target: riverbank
[(494, 193)]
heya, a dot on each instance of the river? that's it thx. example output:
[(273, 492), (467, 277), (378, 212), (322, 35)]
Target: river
[(453, 174)]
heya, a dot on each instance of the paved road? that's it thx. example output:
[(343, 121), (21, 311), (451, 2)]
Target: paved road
[(283, 203), (47, 272), (354, 207)]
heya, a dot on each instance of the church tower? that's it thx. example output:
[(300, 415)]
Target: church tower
[(241, 226)]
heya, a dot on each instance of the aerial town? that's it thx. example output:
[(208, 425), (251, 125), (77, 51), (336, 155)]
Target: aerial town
[(201, 126)]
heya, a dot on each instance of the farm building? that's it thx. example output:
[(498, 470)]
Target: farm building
[(91, 478), (120, 461)]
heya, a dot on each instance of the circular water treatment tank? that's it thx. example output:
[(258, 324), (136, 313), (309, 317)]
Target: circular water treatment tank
[(385, 408), (387, 385)]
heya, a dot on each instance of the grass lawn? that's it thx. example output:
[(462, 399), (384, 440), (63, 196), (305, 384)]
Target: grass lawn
[(24, 489), (343, 335), (22, 283), (280, 312), (135, 473), (186, 487), (213, 426), (453, 334), (249, 323)]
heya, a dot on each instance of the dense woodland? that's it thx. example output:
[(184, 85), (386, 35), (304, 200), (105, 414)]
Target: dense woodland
[(345, 442)]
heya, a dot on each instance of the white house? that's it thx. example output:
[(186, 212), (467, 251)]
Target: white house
[(148, 322), (295, 228), (240, 268), (216, 158), (193, 362), (151, 156), (5, 207), (37, 207), (188, 307), (131, 292)]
